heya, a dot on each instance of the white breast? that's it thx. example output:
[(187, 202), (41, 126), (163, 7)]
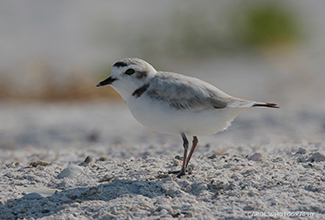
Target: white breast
[(162, 118)]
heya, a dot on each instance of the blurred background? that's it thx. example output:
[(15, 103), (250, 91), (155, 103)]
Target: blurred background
[(54, 52)]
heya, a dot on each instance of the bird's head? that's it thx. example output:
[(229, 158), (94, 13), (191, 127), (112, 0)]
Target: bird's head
[(127, 75)]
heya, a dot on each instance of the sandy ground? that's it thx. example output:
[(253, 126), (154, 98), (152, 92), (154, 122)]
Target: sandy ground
[(94, 161)]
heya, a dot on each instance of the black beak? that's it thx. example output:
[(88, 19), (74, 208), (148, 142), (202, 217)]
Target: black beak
[(107, 81)]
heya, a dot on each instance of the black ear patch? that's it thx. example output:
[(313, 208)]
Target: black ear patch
[(129, 71)]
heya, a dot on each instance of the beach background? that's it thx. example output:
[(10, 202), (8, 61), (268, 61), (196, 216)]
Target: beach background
[(69, 150)]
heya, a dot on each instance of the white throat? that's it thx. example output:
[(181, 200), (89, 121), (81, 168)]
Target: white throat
[(127, 87)]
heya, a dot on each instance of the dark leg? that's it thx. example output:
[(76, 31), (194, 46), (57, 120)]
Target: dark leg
[(194, 144), (185, 145)]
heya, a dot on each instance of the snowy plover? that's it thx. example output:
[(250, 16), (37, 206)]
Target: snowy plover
[(175, 104)]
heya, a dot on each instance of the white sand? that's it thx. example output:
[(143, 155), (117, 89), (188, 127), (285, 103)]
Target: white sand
[(125, 176)]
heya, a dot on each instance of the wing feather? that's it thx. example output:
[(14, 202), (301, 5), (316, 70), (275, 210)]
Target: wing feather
[(183, 92)]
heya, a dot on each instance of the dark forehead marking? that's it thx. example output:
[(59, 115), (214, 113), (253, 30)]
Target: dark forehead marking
[(120, 64)]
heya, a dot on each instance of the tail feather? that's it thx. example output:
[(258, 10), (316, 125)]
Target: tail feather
[(269, 105)]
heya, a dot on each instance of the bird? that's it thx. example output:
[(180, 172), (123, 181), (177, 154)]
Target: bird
[(175, 104)]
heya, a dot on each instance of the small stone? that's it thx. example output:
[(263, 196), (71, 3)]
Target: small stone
[(163, 212), (301, 150), (175, 214), (64, 206), (10, 175), (226, 186), (107, 178), (159, 201), (95, 190), (317, 157), (162, 175), (104, 158), (188, 189), (224, 156), (109, 216), (255, 157), (212, 156), (11, 165), (114, 210), (248, 172), (49, 203), (235, 168), (217, 184), (87, 161), (312, 188), (39, 163), (70, 172), (302, 159), (278, 159), (33, 196)]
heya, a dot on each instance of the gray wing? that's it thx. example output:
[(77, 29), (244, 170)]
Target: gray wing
[(183, 92)]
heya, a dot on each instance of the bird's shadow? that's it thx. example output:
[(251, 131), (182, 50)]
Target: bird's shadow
[(20, 208)]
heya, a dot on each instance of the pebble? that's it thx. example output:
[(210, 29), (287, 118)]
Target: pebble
[(109, 216), (317, 157), (163, 212), (70, 172), (95, 190), (39, 163), (235, 168), (188, 188), (33, 196), (212, 156), (107, 178), (11, 165), (10, 175), (278, 159), (255, 157), (87, 161), (301, 150), (104, 158)]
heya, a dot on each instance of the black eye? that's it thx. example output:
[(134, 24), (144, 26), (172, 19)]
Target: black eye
[(129, 71)]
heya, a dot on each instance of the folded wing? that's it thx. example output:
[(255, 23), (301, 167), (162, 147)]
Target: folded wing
[(183, 92)]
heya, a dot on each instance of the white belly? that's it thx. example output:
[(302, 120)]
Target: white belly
[(164, 119)]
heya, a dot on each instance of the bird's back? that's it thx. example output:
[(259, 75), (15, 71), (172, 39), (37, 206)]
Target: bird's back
[(184, 92)]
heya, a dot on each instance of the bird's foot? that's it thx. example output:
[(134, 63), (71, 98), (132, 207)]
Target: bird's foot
[(179, 172)]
